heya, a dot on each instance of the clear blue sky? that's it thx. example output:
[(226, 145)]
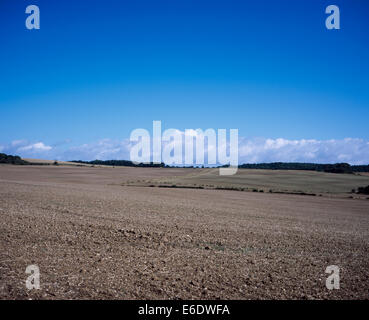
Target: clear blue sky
[(99, 69)]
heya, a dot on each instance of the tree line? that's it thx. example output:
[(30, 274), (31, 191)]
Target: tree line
[(333, 168), (4, 158), (120, 163)]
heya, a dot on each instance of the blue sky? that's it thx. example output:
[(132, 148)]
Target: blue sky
[(97, 70)]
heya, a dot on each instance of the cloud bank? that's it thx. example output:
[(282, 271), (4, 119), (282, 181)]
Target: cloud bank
[(353, 151), (254, 150)]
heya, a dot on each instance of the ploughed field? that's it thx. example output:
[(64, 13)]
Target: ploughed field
[(104, 233)]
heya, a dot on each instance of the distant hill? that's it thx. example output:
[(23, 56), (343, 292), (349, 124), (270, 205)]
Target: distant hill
[(333, 168), (4, 158)]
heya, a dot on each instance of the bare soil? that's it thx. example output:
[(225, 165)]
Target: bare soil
[(93, 238)]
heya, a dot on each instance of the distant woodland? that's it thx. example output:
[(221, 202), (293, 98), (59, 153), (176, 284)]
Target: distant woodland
[(333, 168), (4, 158), (120, 163)]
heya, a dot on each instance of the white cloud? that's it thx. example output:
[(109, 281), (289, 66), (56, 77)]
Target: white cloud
[(18, 142), (354, 151), (39, 146), (254, 150), (27, 149), (105, 149)]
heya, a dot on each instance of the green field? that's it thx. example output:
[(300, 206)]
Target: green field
[(294, 181)]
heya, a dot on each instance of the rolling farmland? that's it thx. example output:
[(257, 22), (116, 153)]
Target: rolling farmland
[(95, 234)]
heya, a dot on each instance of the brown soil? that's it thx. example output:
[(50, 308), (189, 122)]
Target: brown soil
[(95, 239)]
